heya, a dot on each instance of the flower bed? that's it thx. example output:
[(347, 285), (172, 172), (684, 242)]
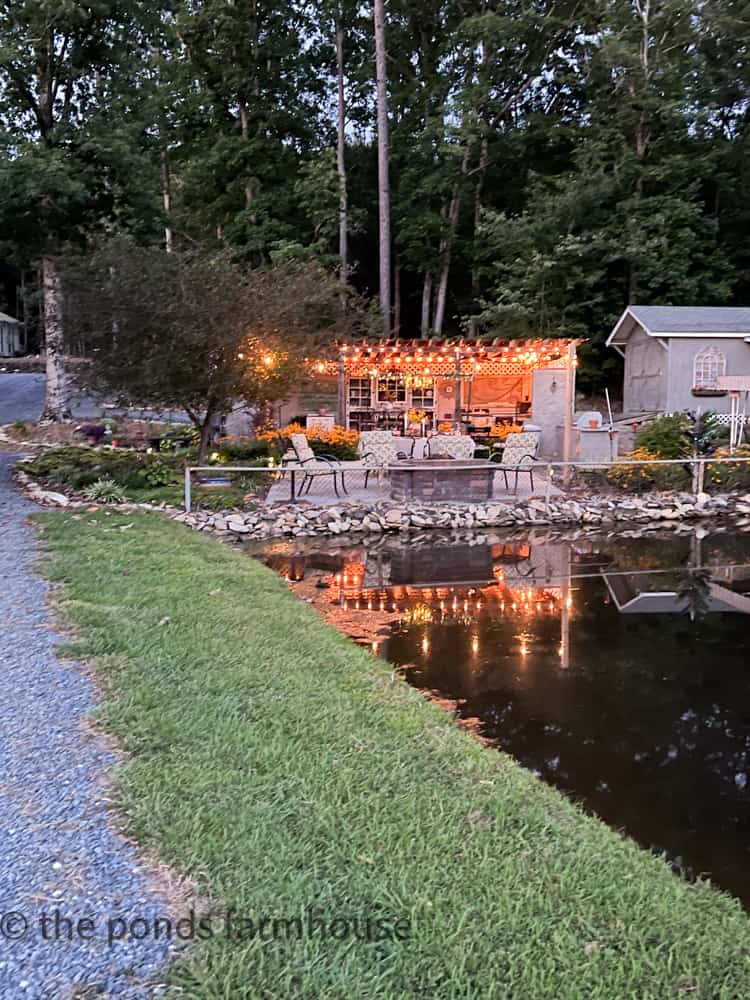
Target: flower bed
[(336, 441)]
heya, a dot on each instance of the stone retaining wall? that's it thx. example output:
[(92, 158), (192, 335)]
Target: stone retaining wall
[(298, 520)]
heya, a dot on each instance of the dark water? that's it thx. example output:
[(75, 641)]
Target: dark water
[(617, 669)]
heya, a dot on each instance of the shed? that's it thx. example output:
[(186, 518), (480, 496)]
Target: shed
[(676, 356), (11, 336)]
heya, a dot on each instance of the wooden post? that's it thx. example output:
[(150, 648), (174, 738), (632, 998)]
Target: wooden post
[(699, 472), (457, 391), (570, 406), (343, 415)]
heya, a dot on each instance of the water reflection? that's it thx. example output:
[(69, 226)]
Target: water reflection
[(616, 669)]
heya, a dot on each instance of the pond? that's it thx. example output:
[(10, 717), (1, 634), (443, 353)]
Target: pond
[(615, 668)]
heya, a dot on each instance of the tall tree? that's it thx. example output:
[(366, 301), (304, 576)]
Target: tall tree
[(626, 219), (60, 68), (384, 186), (341, 155)]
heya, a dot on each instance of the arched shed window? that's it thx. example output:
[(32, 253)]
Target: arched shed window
[(709, 366)]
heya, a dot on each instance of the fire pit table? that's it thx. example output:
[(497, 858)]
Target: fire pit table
[(462, 481)]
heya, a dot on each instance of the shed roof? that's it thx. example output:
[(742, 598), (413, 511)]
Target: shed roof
[(5, 318), (683, 321)]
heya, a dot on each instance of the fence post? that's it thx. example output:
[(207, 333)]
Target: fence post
[(548, 490), (187, 489), (698, 476)]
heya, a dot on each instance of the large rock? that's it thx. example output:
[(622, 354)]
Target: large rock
[(58, 499)]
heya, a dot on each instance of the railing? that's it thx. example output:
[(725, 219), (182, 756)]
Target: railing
[(697, 466)]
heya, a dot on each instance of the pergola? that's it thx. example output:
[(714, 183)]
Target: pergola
[(458, 379)]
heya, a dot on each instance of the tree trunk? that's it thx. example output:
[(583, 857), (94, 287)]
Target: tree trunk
[(245, 129), (396, 297), (55, 403), (475, 282), (341, 163), (454, 212), (384, 192), (166, 198), (205, 441), (426, 302)]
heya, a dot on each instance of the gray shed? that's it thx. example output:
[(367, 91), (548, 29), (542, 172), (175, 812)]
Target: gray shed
[(675, 356), (11, 336)]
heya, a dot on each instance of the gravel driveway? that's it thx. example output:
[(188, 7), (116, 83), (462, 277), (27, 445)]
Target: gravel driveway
[(22, 398), (59, 856)]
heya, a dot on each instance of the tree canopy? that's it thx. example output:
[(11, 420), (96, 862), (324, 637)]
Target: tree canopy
[(198, 331), (548, 163)]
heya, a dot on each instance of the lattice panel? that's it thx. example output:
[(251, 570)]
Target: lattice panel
[(442, 370)]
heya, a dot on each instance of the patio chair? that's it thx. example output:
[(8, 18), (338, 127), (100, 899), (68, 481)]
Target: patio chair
[(315, 466), (518, 457), (379, 449), (326, 465), (459, 446)]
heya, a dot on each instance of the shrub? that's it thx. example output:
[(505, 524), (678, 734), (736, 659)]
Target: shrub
[(63, 465), (233, 451), (640, 478), (80, 467), (105, 490), (178, 438), (665, 437), (159, 473), (729, 475), (680, 435)]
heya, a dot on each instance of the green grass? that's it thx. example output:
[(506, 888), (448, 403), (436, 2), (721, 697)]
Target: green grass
[(283, 768), (175, 495)]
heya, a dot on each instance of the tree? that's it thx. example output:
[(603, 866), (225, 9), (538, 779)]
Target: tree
[(384, 187), (252, 113), (60, 68), (626, 218), (197, 331)]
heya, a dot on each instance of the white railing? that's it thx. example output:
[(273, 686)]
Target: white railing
[(697, 466)]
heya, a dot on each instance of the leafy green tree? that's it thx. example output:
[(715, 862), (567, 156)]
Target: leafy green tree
[(626, 219), (69, 148), (198, 331)]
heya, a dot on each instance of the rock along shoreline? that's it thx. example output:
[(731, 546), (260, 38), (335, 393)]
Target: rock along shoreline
[(657, 510)]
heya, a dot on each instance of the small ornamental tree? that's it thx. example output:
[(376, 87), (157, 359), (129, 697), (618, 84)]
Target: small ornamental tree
[(199, 332)]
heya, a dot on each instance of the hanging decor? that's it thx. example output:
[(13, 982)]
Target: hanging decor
[(419, 381)]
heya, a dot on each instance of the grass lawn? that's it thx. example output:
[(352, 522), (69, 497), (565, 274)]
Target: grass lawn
[(284, 768)]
